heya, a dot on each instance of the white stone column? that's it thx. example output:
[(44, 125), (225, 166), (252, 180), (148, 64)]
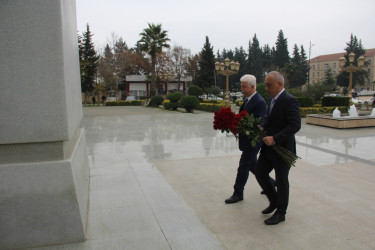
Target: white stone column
[(44, 173)]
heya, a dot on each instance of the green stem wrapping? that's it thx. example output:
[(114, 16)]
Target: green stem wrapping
[(289, 157)]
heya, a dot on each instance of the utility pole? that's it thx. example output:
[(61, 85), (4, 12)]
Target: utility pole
[(308, 76)]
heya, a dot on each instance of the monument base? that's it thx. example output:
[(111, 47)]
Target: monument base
[(327, 120), (44, 202)]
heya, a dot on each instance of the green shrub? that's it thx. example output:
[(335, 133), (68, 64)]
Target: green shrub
[(194, 90), (174, 97), (305, 101), (170, 105), (330, 101), (189, 103), (296, 92), (156, 101)]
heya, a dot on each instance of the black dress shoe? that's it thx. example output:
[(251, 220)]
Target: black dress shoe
[(269, 209), (276, 218), (233, 199)]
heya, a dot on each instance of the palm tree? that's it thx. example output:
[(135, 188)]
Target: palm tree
[(153, 40)]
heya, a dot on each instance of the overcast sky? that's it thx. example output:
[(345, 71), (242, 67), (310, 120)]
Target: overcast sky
[(328, 24)]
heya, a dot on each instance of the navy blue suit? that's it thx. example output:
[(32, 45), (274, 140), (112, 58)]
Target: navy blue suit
[(256, 106), (282, 123)]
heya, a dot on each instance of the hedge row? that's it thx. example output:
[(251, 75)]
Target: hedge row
[(330, 101), (124, 103), (321, 110), (210, 107), (303, 111)]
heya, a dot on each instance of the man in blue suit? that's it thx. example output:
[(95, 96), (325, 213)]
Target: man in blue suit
[(282, 122), (253, 104)]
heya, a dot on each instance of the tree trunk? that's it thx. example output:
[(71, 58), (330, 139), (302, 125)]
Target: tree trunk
[(153, 82)]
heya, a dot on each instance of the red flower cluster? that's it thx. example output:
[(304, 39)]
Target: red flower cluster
[(236, 120), (223, 120), (226, 120)]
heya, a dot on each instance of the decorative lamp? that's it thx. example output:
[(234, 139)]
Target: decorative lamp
[(351, 57), (217, 66), (361, 61), (227, 62)]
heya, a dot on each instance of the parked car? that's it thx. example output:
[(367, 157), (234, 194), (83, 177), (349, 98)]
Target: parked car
[(214, 97), (111, 98), (356, 101), (130, 98), (369, 101)]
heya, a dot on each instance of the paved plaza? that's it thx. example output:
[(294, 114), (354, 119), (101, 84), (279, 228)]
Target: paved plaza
[(158, 180)]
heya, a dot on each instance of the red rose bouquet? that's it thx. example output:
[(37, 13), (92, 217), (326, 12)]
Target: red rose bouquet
[(245, 124)]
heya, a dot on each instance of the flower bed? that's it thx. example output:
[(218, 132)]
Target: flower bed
[(210, 107)]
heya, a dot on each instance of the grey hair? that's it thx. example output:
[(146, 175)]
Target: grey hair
[(277, 76), (250, 80)]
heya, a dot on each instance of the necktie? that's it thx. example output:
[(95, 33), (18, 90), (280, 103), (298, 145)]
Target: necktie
[(245, 102), (271, 105)]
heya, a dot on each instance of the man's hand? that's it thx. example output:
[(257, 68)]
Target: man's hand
[(269, 141)]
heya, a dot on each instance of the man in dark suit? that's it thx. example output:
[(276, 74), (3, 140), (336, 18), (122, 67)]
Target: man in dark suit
[(253, 104), (281, 123)]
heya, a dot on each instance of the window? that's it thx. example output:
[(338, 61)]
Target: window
[(313, 74), (313, 67), (326, 66), (334, 73), (318, 66), (318, 74), (334, 65)]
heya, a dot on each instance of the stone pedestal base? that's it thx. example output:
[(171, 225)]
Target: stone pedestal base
[(44, 193), (342, 122)]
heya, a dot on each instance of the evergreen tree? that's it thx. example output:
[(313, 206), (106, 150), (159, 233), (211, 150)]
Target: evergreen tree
[(88, 63), (205, 77), (254, 60), (240, 56), (122, 60), (267, 58), (293, 69), (329, 80), (297, 70), (281, 53), (356, 47), (106, 67)]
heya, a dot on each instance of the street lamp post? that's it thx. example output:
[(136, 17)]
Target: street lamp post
[(228, 68), (166, 77), (351, 68), (308, 75)]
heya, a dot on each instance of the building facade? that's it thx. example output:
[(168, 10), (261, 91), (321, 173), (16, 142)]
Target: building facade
[(320, 64), (139, 87)]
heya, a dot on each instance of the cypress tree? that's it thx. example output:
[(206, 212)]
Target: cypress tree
[(281, 53), (88, 62), (254, 60), (205, 76)]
